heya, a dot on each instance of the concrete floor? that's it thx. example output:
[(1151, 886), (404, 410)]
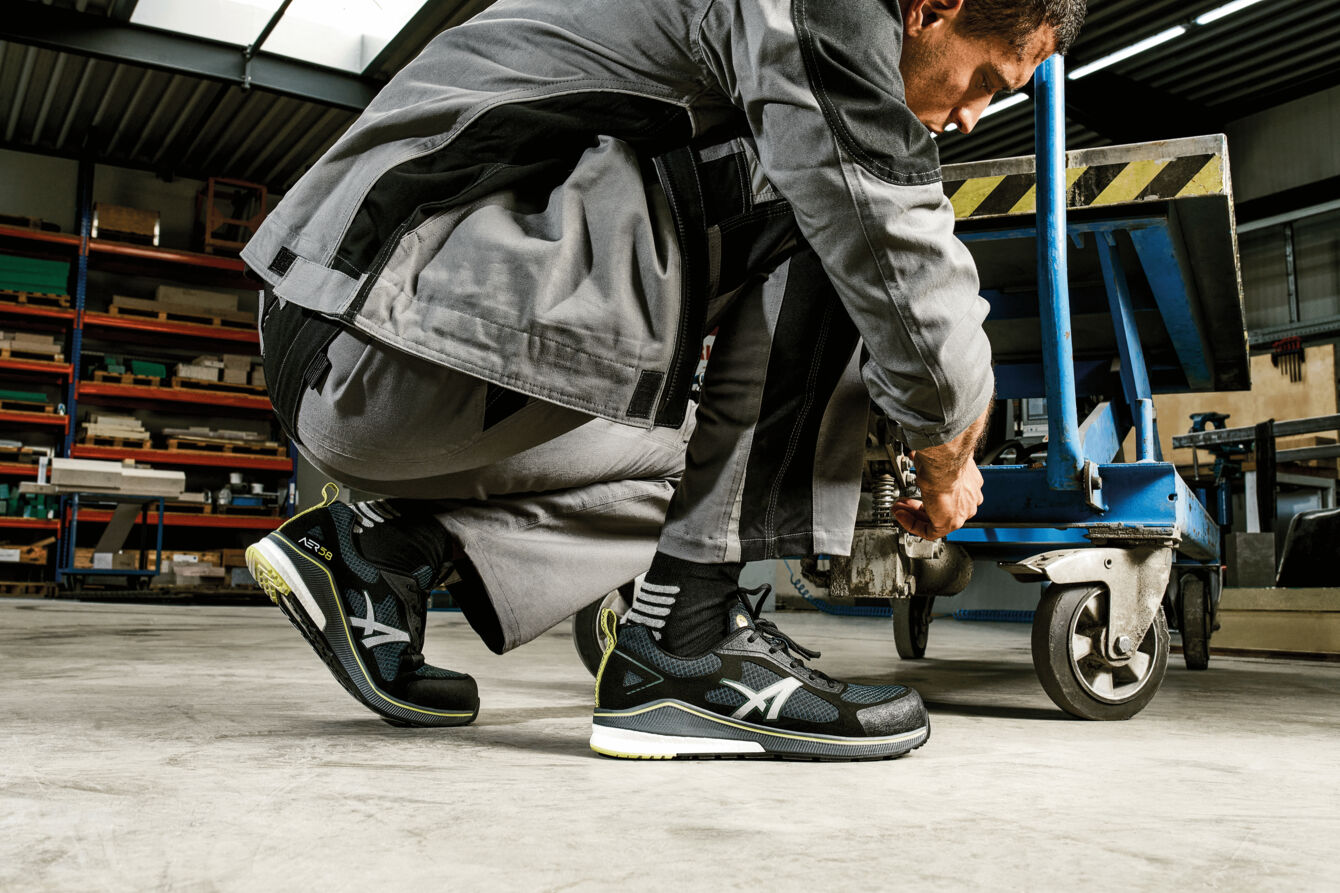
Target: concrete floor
[(199, 749)]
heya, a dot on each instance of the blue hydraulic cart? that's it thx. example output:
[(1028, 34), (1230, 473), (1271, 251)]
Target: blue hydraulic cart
[(1112, 275)]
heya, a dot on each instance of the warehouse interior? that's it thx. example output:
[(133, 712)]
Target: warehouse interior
[(168, 730)]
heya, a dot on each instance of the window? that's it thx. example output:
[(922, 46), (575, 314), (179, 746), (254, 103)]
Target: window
[(343, 34)]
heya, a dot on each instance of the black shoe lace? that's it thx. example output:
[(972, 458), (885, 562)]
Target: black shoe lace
[(778, 641)]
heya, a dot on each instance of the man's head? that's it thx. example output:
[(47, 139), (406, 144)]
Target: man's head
[(957, 54)]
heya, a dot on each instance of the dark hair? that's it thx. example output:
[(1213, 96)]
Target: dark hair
[(1017, 20)]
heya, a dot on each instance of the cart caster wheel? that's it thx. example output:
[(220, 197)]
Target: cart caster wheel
[(1068, 632), (912, 625), (1194, 621), (587, 636)]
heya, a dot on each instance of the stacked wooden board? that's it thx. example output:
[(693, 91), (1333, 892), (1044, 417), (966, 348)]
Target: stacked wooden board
[(104, 429), (193, 305), (31, 346)]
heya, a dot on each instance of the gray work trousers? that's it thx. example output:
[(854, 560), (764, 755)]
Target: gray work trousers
[(556, 508)]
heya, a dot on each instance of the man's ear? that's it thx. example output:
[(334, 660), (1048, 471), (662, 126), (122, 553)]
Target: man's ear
[(920, 15)]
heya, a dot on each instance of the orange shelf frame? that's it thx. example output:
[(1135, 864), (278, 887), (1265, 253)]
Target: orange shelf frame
[(178, 457), (64, 370), (191, 519), (164, 255), (34, 418), (10, 308), (18, 469), (34, 235), (165, 327), (172, 395), (33, 523)]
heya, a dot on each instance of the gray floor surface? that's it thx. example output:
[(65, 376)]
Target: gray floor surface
[(200, 749)]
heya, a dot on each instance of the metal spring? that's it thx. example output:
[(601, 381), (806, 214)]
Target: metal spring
[(883, 492)]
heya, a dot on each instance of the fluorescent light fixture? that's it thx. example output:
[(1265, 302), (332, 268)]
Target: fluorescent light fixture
[(1002, 104), (1134, 49), (1227, 9)]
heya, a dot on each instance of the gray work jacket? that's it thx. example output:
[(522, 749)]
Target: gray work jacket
[(489, 210)]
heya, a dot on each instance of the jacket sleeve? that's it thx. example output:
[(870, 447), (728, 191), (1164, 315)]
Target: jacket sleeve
[(819, 84)]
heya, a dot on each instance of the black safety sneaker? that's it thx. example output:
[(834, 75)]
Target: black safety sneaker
[(750, 696), (364, 620)]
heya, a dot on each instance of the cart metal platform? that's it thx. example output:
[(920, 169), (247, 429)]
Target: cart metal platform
[(1112, 275)]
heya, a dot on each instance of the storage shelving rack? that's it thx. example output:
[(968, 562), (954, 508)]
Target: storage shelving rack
[(127, 259), (52, 374)]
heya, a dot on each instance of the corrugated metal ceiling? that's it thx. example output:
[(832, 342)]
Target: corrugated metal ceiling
[(183, 125)]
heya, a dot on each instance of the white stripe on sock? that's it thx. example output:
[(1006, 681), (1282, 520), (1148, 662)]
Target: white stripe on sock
[(648, 599), (653, 610), (367, 517), (660, 588), (634, 617)]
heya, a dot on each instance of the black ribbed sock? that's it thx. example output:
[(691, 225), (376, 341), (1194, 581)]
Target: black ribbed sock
[(402, 535), (685, 603)]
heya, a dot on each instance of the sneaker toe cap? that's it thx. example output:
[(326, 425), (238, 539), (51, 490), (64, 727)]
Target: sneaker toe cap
[(905, 713)]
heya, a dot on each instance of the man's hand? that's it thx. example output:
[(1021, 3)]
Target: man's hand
[(951, 486)]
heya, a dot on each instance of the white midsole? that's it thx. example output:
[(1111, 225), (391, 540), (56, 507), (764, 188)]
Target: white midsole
[(645, 744), (280, 562)]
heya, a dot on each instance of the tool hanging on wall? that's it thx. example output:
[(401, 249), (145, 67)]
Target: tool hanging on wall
[(1286, 355)]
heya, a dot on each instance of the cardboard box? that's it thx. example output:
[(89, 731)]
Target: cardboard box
[(235, 376), (258, 376)]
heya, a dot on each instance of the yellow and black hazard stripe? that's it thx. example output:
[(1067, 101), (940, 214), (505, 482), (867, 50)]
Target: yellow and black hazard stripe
[(1091, 186)]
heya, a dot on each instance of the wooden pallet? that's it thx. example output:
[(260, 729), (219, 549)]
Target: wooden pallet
[(201, 384), (148, 381), (223, 448), (25, 406), (197, 508), (22, 221), (31, 353), (16, 589), (127, 443), (183, 315), (34, 299)]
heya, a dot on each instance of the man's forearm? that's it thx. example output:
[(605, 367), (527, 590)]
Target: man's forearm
[(946, 461)]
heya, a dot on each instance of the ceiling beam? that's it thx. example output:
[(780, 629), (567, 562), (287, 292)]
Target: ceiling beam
[(1127, 111), (35, 24), (121, 10)]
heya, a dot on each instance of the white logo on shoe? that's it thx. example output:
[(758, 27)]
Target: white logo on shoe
[(771, 699), (376, 633)]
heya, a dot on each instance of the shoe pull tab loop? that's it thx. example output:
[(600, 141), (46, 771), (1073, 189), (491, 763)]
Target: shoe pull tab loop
[(609, 625), (329, 493)]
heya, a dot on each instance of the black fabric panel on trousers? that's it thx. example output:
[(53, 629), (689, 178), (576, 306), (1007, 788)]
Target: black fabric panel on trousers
[(752, 244), (535, 142), (294, 358), (678, 172), (811, 348), (500, 404), (725, 188)]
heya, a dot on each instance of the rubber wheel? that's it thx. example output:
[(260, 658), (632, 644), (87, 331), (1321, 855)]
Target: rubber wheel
[(587, 637), (1068, 632), (912, 625), (1194, 621)]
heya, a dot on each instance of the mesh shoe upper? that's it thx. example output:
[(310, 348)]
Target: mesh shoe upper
[(386, 606), (756, 674)]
